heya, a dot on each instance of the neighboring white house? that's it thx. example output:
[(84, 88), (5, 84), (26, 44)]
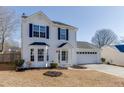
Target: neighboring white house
[(113, 54), (45, 41)]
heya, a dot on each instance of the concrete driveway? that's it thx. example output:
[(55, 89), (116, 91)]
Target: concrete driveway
[(109, 69)]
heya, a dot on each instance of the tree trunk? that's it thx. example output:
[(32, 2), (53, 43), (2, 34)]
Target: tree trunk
[(2, 44)]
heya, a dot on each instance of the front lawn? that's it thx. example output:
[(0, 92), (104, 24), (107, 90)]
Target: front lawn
[(69, 78)]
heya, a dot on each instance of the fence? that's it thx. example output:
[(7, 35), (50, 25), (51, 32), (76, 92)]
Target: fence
[(10, 57)]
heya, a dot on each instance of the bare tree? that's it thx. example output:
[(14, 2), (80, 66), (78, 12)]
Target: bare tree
[(8, 24), (12, 43), (104, 37)]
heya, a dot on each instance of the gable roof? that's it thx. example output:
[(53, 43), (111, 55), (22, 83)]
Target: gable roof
[(85, 45), (54, 22), (120, 47), (36, 13)]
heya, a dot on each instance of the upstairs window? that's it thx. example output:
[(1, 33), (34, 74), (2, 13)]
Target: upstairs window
[(35, 30), (39, 31), (42, 31), (62, 34)]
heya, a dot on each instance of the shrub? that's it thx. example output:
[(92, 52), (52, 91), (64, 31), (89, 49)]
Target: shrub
[(19, 63), (103, 60), (52, 73), (53, 65)]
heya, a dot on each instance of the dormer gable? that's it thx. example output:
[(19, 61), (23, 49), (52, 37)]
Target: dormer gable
[(38, 16)]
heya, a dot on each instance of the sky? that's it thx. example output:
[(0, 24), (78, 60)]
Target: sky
[(87, 19)]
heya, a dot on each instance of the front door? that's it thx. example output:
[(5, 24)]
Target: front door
[(64, 56)]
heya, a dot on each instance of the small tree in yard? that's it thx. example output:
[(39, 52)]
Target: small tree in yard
[(104, 37), (19, 63), (8, 24)]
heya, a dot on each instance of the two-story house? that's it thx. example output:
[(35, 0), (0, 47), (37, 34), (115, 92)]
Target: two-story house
[(45, 41)]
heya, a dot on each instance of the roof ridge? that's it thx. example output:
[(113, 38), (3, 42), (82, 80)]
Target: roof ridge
[(86, 45)]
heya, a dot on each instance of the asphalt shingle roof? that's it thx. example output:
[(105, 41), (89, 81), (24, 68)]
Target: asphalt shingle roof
[(62, 45), (85, 45), (60, 23)]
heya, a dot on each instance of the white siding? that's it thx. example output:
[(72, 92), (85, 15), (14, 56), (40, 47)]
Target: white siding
[(113, 55), (53, 41)]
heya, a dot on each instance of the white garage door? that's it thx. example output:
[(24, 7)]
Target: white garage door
[(87, 57)]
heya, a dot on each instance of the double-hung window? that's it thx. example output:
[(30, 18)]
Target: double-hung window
[(62, 34), (39, 31), (40, 54), (42, 31), (47, 55), (35, 30), (31, 54)]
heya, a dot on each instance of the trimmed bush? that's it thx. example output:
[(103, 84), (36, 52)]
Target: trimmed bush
[(19, 63), (52, 73), (53, 65), (103, 60)]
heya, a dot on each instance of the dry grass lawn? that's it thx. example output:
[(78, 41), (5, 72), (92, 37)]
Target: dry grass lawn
[(74, 78)]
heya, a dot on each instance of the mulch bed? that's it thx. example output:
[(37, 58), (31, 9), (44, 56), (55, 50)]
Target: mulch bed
[(78, 67)]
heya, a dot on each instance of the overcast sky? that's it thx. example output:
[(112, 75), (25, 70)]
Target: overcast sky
[(86, 19)]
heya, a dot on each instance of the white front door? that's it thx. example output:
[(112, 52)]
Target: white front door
[(63, 58), (42, 57)]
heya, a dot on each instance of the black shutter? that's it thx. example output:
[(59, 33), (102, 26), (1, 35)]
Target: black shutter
[(47, 32), (58, 33), (30, 30), (67, 34)]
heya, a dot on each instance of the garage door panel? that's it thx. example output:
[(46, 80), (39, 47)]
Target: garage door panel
[(86, 58)]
